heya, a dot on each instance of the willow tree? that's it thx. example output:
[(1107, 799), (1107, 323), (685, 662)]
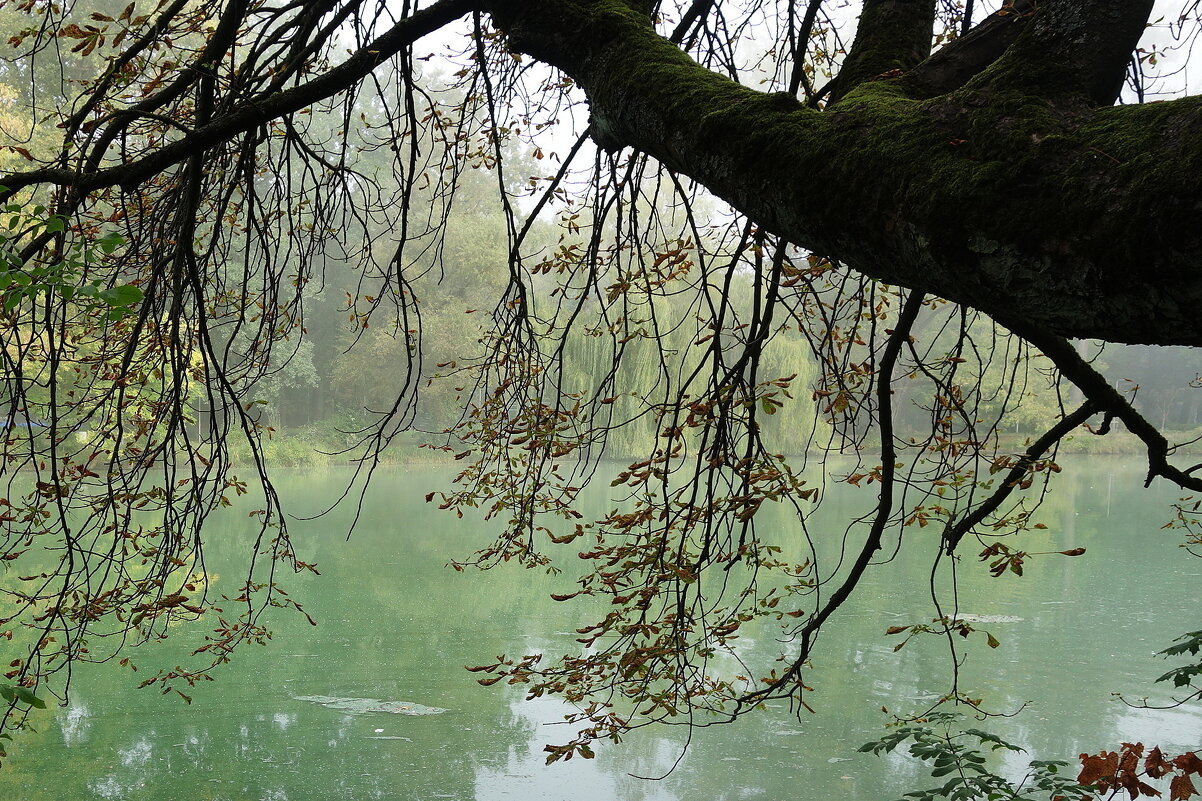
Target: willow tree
[(931, 202)]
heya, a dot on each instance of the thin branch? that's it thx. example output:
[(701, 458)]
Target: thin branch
[(1097, 389), (1066, 425), (253, 112), (897, 338)]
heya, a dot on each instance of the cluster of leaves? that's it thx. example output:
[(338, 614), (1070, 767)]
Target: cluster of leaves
[(1003, 558), (1187, 517), (97, 386), (682, 563), (1185, 675), (942, 626), (956, 754), (69, 276), (1112, 772)]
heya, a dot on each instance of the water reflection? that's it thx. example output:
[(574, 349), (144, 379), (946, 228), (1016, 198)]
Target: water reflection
[(395, 624), (74, 724)]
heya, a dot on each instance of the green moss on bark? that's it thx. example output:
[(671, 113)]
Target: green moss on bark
[(991, 196)]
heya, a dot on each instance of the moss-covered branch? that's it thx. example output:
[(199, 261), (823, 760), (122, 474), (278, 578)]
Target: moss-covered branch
[(1079, 220), (1074, 48), (953, 65), (892, 35)]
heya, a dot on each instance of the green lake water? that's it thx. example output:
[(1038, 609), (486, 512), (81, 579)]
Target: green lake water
[(397, 625)]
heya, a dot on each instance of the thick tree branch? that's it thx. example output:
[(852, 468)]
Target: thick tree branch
[(892, 35), (1080, 221), (953, 65), (1074, 48), (689, 19)]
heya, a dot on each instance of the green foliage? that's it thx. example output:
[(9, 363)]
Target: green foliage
[(1190, 643), (957, 755), (13, 693), (65, 276), (660, 346)]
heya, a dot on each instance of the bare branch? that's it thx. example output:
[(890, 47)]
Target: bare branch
[(252, 113), (1015, 475)]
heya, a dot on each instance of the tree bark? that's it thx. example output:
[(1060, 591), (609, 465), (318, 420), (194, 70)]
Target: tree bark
[(892, 35), (1028, 204)]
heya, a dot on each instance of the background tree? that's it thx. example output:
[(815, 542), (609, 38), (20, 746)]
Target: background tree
[(239, 155)]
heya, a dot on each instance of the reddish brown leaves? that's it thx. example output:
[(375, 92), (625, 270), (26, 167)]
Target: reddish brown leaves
[(1155, 764), (1110, 772), (1181, 788)]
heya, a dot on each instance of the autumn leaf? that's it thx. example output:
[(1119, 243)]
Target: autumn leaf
[(1188, 762), (1155, 764), (1098, 767), (1181, 788), (24, 152)]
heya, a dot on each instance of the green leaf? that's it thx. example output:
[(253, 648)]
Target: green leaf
[(1182, 676), (110, 242), (997, 742), (11, 693), (27, 696), (1189, 643), (121, 296)]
